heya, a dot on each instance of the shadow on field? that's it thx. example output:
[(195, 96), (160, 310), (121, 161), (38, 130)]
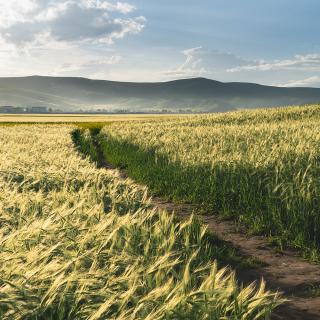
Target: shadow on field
[(238, 191), (88, 143)]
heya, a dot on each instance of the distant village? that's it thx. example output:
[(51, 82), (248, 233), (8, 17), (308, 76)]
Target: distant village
[(35, 109), (45, 110)]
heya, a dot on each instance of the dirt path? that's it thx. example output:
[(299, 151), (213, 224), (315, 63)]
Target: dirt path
[(285, 271)]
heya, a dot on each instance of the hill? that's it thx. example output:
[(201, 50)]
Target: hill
[(198, 94)]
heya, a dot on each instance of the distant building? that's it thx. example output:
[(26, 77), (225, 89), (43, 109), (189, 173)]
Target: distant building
[(37, 109), (11, 109)]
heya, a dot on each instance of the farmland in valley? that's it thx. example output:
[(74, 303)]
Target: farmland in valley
[(76, 118), (77, 242)]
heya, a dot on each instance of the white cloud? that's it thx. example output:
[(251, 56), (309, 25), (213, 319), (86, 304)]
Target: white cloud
[(85, 65), (26, 21), (65, 37), (122, 7), (202, 62), (308, 82), (309, 62), (191, 67), (15, 10)]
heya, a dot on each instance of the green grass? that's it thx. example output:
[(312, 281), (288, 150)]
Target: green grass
[(259, 167)]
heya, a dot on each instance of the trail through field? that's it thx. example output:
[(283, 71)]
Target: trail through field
[(284, 271)]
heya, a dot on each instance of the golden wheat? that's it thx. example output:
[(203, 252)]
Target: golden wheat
[(77, 242)]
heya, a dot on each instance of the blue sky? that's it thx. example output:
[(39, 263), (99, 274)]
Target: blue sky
[(269, 42)]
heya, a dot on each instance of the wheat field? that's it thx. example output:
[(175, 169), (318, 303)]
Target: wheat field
[(77, 242), (261, 167)]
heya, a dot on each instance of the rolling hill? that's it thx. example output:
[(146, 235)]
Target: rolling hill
[(197, 94)]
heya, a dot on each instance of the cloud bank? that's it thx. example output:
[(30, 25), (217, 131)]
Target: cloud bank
[(31, 21)]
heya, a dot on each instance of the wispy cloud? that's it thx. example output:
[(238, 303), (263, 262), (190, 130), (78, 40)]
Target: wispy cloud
[(308, 82), (309, 62), (87, 65), (199, 61), (191, 67)]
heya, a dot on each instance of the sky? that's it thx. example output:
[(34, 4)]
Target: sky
[(273, 42)]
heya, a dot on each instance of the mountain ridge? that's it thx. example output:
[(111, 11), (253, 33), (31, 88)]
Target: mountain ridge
[(197, 94)]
